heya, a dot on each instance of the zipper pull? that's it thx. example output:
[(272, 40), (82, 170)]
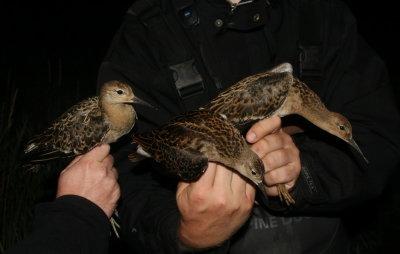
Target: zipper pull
[(235, 5)]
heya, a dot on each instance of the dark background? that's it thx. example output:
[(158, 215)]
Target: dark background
[(49, 58), (60, 45)]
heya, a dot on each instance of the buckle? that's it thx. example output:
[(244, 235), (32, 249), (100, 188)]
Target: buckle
[(188, 81)]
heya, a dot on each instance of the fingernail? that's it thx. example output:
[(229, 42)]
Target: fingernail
[(251, 136)]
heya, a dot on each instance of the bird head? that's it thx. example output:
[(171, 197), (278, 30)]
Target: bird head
[(253, 169), (341, 128), (120, 93), (117, 92)]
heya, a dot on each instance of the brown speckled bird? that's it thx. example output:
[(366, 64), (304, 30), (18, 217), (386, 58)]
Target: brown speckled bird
[(277, 92), (187, 143), (99, 119)]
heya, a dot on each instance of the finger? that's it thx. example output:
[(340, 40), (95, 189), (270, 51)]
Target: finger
[(98, 153), (181, 187), (285, 175), (238, 183), (77, 158), (263, 128), (108, 161), (274, 191), (71, 164), (206, 180), (223, 177), (250, 191), (271, 190), (114, 171), (279, 158), (243, 192), (202, 185), (268, 144)]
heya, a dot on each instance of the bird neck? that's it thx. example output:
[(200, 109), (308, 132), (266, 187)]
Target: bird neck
[(120, 115), (318, 115), (303, 101)]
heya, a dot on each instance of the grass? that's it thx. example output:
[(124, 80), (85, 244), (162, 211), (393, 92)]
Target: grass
[(21, 189), (17, 188)]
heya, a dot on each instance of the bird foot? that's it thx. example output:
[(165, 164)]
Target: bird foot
[(114, 224), (284, 195)]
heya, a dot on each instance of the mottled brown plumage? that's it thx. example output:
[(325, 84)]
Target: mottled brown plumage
[(278, 92), (253, 98), (186, 144), (99, 119)]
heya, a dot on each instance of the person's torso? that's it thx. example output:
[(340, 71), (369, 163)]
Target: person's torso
[(230, 47)]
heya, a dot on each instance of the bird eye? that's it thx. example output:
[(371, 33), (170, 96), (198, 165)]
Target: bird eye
[(253, 172), (342, 128), (120, 92)]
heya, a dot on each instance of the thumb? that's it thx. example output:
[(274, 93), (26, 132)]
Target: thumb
[(98, 153), (182, 186), (263, 128)]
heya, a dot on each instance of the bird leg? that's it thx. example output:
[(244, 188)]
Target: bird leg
[(114, 224), (284, 195)]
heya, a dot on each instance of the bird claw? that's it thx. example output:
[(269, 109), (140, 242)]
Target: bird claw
[(284, 195), (114, 224)]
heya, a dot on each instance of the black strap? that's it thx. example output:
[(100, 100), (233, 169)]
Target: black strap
[(310, 43)]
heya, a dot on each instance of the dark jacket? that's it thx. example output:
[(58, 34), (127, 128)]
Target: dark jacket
[(152, 51), (68, 225)]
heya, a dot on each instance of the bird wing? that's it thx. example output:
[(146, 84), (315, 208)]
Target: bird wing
[(76, 131), (253, 98), (166, 146), (186, 144)]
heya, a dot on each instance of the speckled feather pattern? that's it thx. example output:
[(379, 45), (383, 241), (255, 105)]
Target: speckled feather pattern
[(186, 144), (74, 132), (98, 119), (253, 98), (278, 92)]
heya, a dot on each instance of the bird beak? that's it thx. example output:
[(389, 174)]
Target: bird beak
[(355, 146), (137, 100), (262, 189)]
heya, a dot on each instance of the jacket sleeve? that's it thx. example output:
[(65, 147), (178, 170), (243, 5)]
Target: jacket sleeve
[(68, 225), (356, 84)]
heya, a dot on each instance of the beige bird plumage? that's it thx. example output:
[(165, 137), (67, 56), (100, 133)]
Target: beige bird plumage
[(99, 119)]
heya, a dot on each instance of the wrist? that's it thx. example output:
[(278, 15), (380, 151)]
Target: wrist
[(197, 239)]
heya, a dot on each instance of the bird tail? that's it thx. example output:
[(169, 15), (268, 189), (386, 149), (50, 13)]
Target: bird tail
[(135, 157), (36, 156), (142, 143), (138, 155)]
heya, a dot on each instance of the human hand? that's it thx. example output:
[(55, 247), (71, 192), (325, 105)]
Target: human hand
[(277, 150), (214, 207), (93, 177)]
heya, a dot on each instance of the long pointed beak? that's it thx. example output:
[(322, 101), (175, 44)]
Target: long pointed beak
[(262, 189), (137, 100), (355, 146)]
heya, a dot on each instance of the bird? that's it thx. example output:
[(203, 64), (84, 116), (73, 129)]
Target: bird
[(189, 141), (95, 120), (276, 92)]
